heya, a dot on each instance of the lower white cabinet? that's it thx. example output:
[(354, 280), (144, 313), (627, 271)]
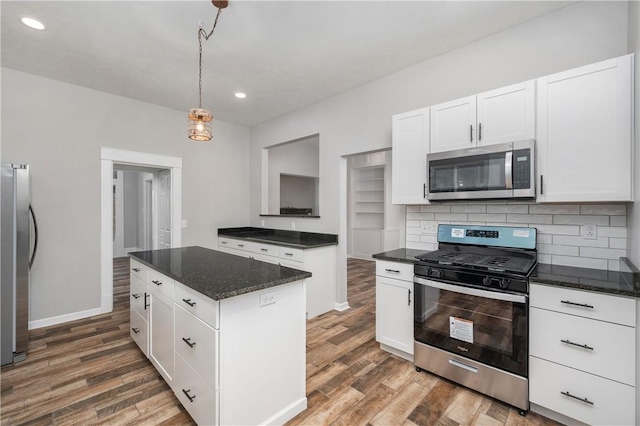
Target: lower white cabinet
[(161, 335), (234, 361), (582, 362), (320, 261), (394, 307)]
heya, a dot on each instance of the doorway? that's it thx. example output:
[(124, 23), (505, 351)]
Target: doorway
[(120, 158), (139, 194)]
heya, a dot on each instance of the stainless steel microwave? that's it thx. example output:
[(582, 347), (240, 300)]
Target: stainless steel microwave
[(505, 170)]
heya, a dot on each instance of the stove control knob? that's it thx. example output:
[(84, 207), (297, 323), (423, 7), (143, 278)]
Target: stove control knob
[(486, 281), (504, 283)]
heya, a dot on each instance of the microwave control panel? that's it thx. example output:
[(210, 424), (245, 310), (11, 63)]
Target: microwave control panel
[(522, 169)]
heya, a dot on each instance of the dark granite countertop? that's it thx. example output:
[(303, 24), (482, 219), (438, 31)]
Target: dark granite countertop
[(402, 255), (623, 283), (215, 274), (280, 237)]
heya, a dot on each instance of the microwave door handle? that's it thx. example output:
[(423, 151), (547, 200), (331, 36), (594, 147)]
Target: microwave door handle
[(508, 170)]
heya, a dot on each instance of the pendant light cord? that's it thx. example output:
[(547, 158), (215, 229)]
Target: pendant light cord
[(203, 34)]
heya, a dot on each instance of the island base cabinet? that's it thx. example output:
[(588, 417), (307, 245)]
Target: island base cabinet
[(609, 402), (139, 332), (195, 394)]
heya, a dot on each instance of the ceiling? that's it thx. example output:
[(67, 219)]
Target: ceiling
[(283, 54)]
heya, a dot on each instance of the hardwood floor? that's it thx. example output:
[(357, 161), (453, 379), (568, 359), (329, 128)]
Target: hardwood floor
[(90, 372)]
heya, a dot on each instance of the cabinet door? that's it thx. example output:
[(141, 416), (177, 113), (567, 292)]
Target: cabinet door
[(506, 114), (453, 125), (394, 313), (409, 160), (584, 133), (161, 335)]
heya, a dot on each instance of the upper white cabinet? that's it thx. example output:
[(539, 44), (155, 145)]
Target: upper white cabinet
[(453, 125), (410, 142), (584, 133), (501, 115)]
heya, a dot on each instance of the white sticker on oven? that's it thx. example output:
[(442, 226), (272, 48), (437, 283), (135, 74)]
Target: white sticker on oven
[(523, 233), (461, 329), (457, 233)]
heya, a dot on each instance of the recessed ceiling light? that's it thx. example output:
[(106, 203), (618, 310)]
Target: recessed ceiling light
[(32, 23), (241, 95)]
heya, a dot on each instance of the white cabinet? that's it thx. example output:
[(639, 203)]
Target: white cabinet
[(502, 115), (583, 354), (584, 134), (161, 345), (139, 306), (394, 307), (320, 261), (410, 143), (220, 357)]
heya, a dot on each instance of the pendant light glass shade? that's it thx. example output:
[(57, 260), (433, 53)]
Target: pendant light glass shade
[(199, 128)]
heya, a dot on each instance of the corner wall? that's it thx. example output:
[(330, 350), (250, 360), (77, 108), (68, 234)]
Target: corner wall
[(634, 209)]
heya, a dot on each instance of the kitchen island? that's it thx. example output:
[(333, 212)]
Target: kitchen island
[(223, 331)]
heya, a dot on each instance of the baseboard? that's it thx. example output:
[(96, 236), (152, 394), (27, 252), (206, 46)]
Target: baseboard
[(287, 413), (560, 418), (398, 352), (45, 322), (341, 306)]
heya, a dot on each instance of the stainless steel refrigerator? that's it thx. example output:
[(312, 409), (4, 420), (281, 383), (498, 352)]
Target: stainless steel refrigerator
[(16, 259)]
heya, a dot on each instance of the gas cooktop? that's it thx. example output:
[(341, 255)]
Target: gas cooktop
[(490, 259)]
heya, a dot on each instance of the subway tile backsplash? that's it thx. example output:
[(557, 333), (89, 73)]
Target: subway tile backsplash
[(560, 228)]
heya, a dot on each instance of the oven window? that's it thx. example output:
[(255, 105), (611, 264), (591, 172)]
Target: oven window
[(476, 173), (490, 331)]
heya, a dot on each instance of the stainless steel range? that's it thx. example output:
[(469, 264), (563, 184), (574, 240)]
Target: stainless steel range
[(471, 309)]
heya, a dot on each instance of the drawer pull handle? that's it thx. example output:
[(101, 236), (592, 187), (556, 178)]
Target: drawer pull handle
[(223, 242), (584, 305), (186, 392), (288, 254), (135, 330), (585, 400), (395, 271), (135, 296), (569, 342), (409, 298), (189, 302), (146, 305), (240, 245), (157, 282), (135, 269), (188, 342), (264, 249)]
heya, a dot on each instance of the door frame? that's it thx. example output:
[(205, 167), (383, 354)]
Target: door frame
[(109, 156)]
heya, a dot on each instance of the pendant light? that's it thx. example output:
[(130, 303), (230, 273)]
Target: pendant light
[(199, 128)]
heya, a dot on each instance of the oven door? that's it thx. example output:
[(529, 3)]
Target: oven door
[(486, 326)]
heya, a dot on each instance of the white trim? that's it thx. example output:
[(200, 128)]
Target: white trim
[(108, 156), (45, 322), (342, 306), (287, 413)]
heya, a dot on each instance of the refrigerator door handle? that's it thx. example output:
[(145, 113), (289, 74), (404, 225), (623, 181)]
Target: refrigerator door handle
[(35, 239)]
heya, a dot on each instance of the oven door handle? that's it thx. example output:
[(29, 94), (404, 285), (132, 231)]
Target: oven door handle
[(507, 297)]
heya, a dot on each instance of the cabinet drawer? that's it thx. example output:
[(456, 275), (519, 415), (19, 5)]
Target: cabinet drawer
[(205, 308), (139, 297), (138, 269), (612, 353), (289, 253), (161, 283), (613, 402), (265, 249), (399, 271), (139, 332), (291, 264), (195, 394), (598, 306), (198, 344)]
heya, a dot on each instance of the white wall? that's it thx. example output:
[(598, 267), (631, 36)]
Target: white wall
[(360, 120), (130, 200), (634, 209), (58, 129)]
